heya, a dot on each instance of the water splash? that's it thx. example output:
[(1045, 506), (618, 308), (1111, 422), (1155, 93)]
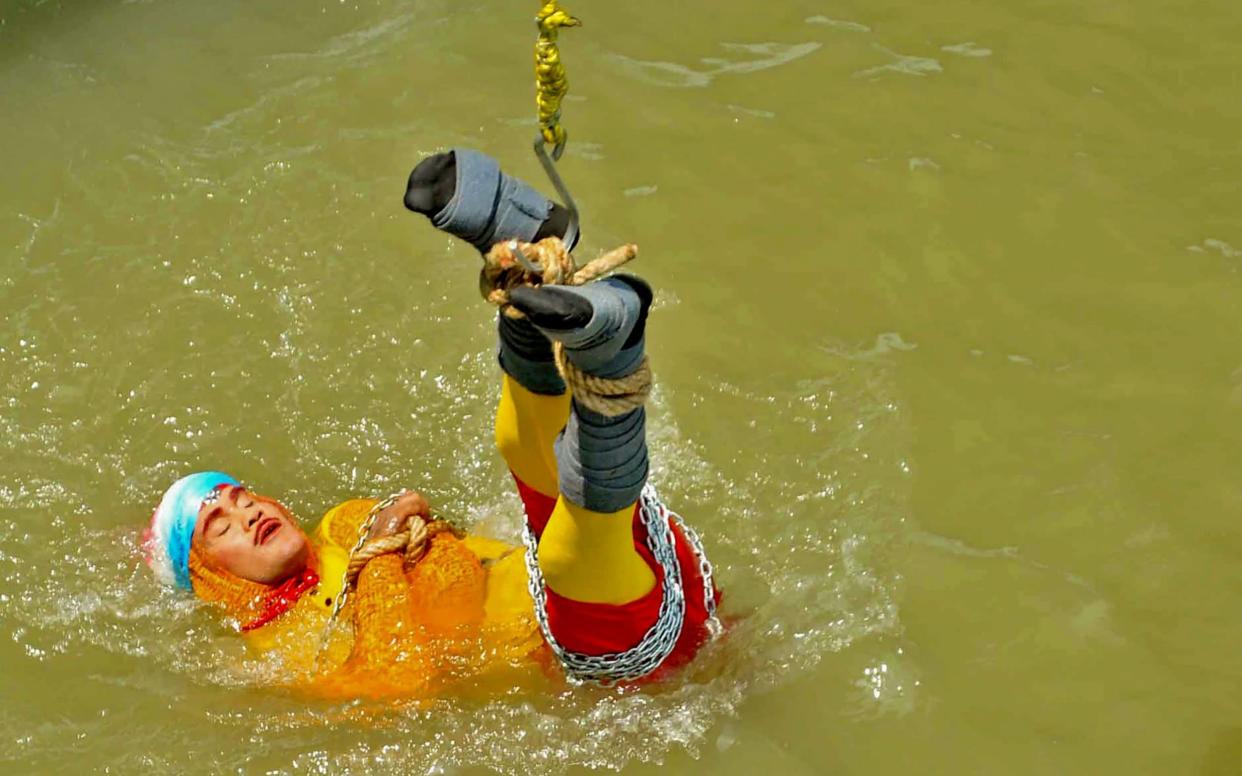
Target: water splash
[(802, 570), (968, 49)]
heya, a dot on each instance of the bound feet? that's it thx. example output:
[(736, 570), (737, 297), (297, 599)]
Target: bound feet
[(601, 452), (601, 324), (465, 193)]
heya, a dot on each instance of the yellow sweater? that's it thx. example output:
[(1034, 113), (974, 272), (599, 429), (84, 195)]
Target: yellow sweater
[(460, 617)]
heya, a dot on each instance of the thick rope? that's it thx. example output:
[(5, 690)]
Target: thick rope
[(412, 542), (551, 84), (607, 396), (503, 271)]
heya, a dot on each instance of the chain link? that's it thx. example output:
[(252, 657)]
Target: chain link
[(363, 530), (656, 645), (705, 572)]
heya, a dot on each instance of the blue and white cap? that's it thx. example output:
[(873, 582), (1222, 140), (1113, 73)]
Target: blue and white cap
[(168, 538)]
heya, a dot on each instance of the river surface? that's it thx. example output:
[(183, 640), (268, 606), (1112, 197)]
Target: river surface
[(948, 341)]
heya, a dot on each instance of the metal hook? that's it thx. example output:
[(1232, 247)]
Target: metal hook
[(549, 167), (523, 259)]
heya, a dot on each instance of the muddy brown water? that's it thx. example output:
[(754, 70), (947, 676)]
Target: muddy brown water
[(948, 341)]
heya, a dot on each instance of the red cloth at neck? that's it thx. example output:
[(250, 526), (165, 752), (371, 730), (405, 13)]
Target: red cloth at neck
[(283, 598)]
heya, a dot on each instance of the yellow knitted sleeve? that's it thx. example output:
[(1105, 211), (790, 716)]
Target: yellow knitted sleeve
[(389, 656), (384, 621)]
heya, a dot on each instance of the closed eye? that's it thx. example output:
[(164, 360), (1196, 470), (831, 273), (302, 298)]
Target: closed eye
[(216, 525)]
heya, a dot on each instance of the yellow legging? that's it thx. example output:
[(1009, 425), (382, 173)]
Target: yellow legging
[(584, 555)]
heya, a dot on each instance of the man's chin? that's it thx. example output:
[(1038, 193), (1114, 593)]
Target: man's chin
[(294, 560)]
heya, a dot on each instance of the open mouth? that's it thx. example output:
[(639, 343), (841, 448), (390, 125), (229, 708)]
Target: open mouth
[(266, 528)]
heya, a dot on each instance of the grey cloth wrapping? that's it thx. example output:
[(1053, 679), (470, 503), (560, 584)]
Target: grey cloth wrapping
[(602, 461), (598, 347), (489, 206), (526, 356)]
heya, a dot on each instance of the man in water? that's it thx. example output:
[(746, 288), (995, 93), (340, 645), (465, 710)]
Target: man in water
[(609, 588)]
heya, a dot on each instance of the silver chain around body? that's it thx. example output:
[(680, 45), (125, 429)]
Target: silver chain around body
[(705, 572), (661, 637)]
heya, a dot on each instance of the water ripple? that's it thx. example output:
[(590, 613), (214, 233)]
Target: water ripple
[(673, 74)]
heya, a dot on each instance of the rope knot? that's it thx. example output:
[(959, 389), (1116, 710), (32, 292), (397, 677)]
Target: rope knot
[(412, 542), (512, 263)]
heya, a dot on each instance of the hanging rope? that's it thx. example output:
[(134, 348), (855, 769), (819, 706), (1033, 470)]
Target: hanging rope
[(551, 83)]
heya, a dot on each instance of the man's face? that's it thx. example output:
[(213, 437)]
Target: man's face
[(250, 536)]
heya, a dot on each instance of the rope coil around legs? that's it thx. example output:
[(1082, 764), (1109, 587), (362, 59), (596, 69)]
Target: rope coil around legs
[(607, 396)]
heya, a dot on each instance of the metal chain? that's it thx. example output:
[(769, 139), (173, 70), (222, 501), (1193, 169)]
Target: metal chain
[(660, 639), (705, 572), (363, 530)]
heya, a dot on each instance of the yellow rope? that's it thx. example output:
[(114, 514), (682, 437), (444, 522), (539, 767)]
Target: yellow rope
[(551, 83)]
